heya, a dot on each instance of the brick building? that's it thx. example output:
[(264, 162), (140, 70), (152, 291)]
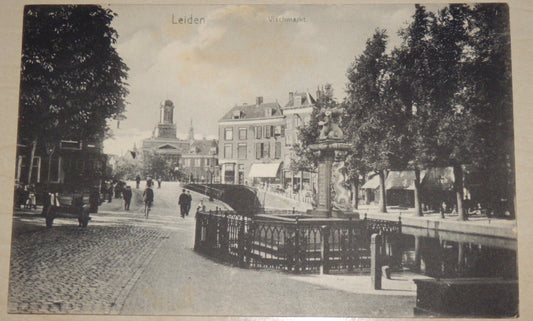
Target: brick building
[(252, 144), (297, 113)]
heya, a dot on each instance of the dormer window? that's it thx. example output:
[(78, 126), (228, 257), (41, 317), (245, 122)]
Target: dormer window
[(237, 114), (268, 112)]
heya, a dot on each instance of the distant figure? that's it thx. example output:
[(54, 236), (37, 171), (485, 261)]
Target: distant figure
[(149, 181), (127, 197), (189, 201), (182, 202), (159, 182), (109, 191), (138, 181), (148, 197), (201, 206)]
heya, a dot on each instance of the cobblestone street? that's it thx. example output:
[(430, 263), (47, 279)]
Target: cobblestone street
[(125, 264), (72, 270)]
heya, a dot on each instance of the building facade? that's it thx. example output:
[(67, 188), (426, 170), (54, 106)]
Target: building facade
[(196, 159), (297, 113), (164, 140), (252, 144)]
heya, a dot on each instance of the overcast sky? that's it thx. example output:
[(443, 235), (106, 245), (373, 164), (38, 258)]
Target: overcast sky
[(235, 55)]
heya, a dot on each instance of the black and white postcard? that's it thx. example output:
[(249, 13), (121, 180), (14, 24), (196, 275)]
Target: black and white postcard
[(247, 160)]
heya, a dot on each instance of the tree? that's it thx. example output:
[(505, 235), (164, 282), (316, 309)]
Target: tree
[(72, 78), (434, 89), (488, 64), (374, 126), (155, 165), (411, 70)]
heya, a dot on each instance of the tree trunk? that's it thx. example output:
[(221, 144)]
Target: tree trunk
[(30, 163), (458, 186), (355, 194), (383, 194), (418, 205)]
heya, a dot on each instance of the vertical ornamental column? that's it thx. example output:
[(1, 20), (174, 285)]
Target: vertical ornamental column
[(324, 182)]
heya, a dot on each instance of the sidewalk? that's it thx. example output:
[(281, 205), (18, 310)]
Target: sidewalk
[(476, 224)]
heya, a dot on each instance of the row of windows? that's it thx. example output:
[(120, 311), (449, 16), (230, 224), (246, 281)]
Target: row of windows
[(258, 132), (198, 162), (262, 150)]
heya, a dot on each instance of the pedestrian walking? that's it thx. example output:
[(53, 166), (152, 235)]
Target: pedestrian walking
[(159, 182), (109, 191), (189, 201), (138, 181), (148, 197), (182, 202), (127, 197)]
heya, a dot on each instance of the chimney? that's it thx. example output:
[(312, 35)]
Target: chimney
[(259, 100), (291, 97), (297, 100)]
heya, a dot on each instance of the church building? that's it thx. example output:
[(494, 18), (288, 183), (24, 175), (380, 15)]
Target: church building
[(197, 159)]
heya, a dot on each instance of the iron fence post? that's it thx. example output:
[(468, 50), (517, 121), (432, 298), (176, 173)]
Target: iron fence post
[(375, 261), (324, 250), (297, 247), (198, 231), (241, 243), (351, 246)]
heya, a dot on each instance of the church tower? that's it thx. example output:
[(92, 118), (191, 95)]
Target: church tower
[(166, 127)]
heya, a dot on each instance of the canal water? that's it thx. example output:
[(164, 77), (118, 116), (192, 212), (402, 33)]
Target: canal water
[(442, 254)]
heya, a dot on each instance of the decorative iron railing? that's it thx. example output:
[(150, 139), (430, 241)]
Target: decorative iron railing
[(299, 245)]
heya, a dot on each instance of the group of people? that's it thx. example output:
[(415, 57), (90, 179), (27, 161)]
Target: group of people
[(25, 196)]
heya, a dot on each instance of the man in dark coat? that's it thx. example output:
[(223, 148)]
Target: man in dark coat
[(189, 201), (127, 197), (182, 202)]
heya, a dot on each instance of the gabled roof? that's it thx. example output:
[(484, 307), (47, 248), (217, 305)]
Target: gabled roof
[(307, 100), (253, 111)]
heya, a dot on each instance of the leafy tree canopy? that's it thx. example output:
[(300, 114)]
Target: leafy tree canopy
[(72, 78)]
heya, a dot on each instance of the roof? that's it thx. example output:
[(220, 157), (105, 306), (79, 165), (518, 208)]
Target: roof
[(372, 183), (202, 147), (440, 178), (253, 111), (307, 100)]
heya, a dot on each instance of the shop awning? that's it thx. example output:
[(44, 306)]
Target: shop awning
[(402, 180), (372, 183), (264, 170)]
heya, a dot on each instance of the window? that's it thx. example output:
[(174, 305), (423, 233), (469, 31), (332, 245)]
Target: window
[(266, 150), (277, 130), (228, 133), (243, 133), (229, 173), (186, 162), (258, 132), (198, 162), (258, 150), (54, 169), (277, 150), (241, 151), (268, 131), (36, 171), (228, 151)]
